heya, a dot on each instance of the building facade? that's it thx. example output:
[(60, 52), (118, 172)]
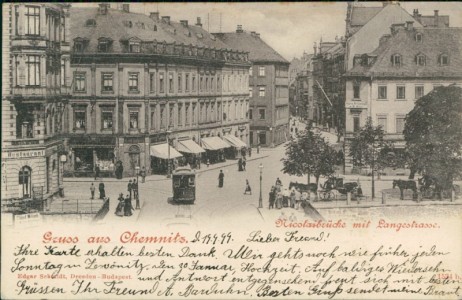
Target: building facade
[(301, 87), (142, 81), (267, 89), (35, 90), (384, 84)]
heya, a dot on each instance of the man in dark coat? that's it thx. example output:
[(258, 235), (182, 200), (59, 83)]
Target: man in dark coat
[(221, 178), (135, 188), (128, 206), (130, 188), (102, 192)]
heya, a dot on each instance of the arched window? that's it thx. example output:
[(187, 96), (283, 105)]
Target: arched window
[(420, 60), (396, 60), (25, 179)]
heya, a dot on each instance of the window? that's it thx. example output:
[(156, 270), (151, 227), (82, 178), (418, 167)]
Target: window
[(206, 83), (33, 70), (399, 124), (212, 83), (250, 114), (180, 82), (194, 121), (261, 113), (104, 45), (134, 119), (161, 83), (443, 60), (107, 82), (187, 114), (16, 19), (401, 92), (152, 82), (106, 120), (420, 60), (250, 92), (261, 71), (418, 37), (356, 90), (186, 82), (170, 83), (250, 71), (79, 46), (171, 116), (193, 84), (163, 117), (396, 60), (90, 23), (79, 82), (261, 91), (133, 82), (201, 83), (153, 117), (180, 114), (80, 118), (419, 91), (382, 122), (32, 20), (356, 123), (134, 47), (382, 92)]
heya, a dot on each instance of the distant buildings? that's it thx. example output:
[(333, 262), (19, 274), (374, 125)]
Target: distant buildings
[(301, 87), (268, 88), (142, 81), (35, 92)]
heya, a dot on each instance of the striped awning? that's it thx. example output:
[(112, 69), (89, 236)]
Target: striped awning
[(162, 151), (214, 143), (189, 146), (235, 141)]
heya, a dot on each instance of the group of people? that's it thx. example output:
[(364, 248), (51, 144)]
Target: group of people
[(125, 207), (280, 197), (242, 162), (101, 188)]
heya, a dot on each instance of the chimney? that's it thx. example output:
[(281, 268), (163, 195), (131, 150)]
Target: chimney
[(409, 25), (154, 15), (166, 19), (184, 23), (103, 8), (315, 49), (239, 29), (126, 7), (198, 23), (436, 18)]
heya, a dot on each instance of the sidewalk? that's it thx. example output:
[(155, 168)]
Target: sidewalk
[(263, 153)]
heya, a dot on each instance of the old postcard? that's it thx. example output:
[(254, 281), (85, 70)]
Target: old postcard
[(231, 150)]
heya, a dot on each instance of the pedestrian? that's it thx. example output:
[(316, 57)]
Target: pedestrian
[(143, 174), (120, 206), (92, 191), (208, 162), (130, 188), (239, 165), (128, 206), (278, 182), (135, 188), (221, 178), (244, 163), (258, 149), (250, 151), (97, 170), (272, 197), (102, 192), (292, 198), (248, 189)]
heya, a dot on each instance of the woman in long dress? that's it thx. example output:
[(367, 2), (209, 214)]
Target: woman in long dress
[(120, 206), (128, 206)]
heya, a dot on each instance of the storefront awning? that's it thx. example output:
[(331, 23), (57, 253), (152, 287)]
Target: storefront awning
[(189, 146), (161, 151), (235, 141), (214, 143)]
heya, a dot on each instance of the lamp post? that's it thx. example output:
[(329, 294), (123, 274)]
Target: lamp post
[(169, 169), (260, 199)]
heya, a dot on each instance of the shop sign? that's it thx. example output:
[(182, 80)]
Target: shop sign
[(30, 153), (355, 105)]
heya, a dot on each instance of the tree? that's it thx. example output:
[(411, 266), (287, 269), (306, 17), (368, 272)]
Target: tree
[(368, 149), (309, 154), (433, 134)]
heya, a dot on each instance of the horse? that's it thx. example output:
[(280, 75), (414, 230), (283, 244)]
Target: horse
[(312, 187), (405, 185)]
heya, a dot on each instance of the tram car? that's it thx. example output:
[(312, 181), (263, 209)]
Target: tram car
[(184, 186)]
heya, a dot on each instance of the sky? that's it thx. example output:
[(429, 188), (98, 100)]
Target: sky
[(289, 27)]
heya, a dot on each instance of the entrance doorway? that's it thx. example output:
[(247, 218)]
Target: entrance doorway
[(134, 159), (25, 181)]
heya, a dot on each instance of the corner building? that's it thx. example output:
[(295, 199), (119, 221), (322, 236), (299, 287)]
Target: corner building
[(35, 92), (141, 81)]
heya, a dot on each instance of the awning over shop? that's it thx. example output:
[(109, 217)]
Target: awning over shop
[(189, 146), (161, 151), (214, 143), (235, 141)]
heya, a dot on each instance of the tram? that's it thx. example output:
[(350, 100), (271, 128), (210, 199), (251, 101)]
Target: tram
[(184, 186)]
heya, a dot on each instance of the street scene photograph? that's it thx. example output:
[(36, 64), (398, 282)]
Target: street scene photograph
[(192, 114)]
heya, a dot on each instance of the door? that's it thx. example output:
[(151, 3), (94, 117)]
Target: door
[(134, 159), (25, 181)]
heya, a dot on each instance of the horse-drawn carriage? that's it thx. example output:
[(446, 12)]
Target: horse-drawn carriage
[(333, 187), (429, 188)]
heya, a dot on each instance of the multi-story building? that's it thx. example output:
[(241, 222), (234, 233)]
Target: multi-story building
[(141, 81), (408, 63), (301, 86), (35, 81), (268, 88)]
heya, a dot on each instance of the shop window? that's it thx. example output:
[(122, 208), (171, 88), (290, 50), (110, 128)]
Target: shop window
[(83, 160), (134, 119), (80, 118), (106, 120), (79, 82), (107, 82), (133, 82)]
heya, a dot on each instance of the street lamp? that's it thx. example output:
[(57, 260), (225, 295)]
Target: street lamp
[(260, 199), (169, 169)]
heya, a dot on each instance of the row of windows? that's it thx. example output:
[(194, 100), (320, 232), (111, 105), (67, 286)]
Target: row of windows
[(420, 60), (382, 92), (261, 71), (186, 82), (261, 91), (382, 120), (281, 71)]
